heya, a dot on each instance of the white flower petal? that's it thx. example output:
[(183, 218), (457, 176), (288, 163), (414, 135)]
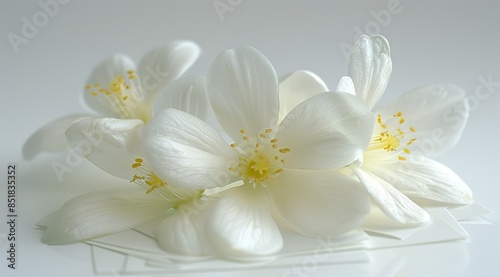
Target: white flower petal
[(437, 112), (102, 213), (243, 91), (346, 85), (183, 231), (165, 64), (296, 87), (186, 94), (370, 67), (186, 151), (329, 130), (319, 203), (241, 224), (109, 143), (425, 178), (103, 74), (392, 202), (50, 137)]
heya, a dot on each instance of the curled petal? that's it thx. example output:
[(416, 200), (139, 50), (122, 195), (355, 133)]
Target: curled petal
[(425, 178), (296, 87), (243, 91), (370, 67), (329, 130), (319, 203), (186, 151), (102, 213), (392, 202), (109, 143), (50, 137), (241, 224)]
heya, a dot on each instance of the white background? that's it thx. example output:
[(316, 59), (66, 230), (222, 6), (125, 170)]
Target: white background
[(447, 42)]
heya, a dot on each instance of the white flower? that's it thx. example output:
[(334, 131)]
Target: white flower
[(421, 124), (283, 168), (117, 89), (115, 149), (101, 213), (112, 144)]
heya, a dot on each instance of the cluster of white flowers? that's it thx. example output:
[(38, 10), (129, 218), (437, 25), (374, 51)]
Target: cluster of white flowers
[(289, 154)]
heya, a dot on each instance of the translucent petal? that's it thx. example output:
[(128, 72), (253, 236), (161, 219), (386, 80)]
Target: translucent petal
[(329, 130), (392, 202), (437, 112), (425, 178), (243, 91), (187, 94), (102, 213), (186, 151), (50, 137), (241, 224), (109, 143), (370, 67), (103, 74), (296, 87), (162, 65), (346, 85), (183, 231), (319, 203)]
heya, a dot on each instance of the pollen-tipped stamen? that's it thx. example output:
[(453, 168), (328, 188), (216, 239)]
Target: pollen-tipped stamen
[(392, 139), (146, 177), (118, 94), (260, 157)]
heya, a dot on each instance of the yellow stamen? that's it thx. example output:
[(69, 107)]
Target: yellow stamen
[(118, 95), (260, 158), (284, 150), (149, 178), (392, 139)]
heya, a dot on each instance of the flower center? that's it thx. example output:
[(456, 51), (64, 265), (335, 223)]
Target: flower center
[(148, 178), (392, 139), (123, 95), (260, 158), (174, 195)]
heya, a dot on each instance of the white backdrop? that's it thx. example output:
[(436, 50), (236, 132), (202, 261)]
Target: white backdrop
[(49, 47)]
